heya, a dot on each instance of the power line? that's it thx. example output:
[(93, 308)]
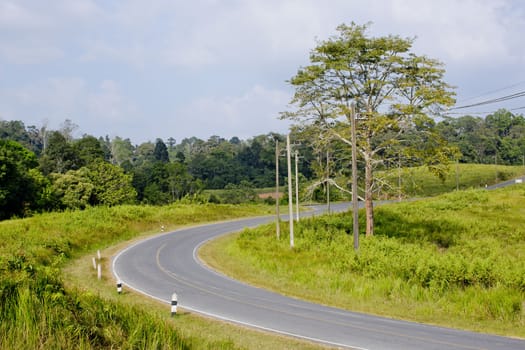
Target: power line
[(493, 91), (471, 113), (494, 100)]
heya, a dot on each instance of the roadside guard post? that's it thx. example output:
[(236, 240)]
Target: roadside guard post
[(174, 304), (119, 287)]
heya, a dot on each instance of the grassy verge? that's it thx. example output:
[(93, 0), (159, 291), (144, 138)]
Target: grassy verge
[(419, 182), (455, 260), (39, 310), (80, 275)]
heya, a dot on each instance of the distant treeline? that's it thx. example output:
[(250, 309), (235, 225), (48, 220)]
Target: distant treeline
[(45, 170)]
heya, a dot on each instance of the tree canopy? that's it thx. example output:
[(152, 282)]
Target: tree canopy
[(17, 184), (392, 90)]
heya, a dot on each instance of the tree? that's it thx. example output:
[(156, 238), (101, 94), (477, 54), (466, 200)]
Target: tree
[(29, 137), (17, 184), (145, 152), (179, 180), (111, 185), (89, 150), (121, 150), (59, 156), (161, 152), (393, 91), (73, 189), (67, 128), (101, 183)]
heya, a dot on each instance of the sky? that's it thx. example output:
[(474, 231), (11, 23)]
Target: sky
[(169, 68)]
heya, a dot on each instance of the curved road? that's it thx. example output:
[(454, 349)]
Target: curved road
[(168, 263)]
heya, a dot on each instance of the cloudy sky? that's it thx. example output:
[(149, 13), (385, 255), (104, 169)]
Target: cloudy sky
[(179, 68)]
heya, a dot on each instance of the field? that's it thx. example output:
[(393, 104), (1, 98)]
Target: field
[(40, 309), (456, 260), (419, 182), (453, 260)]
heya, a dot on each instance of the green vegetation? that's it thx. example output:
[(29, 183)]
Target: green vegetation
[(453, 260), (419, 182), (383, 83), (44, 170), (37, 310)]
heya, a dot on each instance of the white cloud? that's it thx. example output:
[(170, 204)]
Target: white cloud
[(107, 104), (14, 16), (211, 54), (255, 111), (52, 97), (465, 32), (97, 110), (36, 53)]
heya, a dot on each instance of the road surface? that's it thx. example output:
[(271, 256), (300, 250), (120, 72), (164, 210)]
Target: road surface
[(168, 263)]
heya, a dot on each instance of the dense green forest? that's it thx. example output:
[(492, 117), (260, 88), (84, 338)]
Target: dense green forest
[(48, 170)]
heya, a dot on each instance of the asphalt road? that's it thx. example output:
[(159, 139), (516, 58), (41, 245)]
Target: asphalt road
[(518, 180), (168, 263)]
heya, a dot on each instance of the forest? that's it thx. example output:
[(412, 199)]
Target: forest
[(50, 170)]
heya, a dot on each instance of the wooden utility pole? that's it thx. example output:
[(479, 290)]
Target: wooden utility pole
[(457, 174), (296, 187), (328, 181), (278, 218), (355, 204), (290, 197), (399, 183), (496, 165)]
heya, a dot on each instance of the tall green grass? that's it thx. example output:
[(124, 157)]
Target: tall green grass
[(419, 182), (38, 312), (455, 260)]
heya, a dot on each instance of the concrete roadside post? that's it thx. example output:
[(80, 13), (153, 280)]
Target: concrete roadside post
[(173, 304)]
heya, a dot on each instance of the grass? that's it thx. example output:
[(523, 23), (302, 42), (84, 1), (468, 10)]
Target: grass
[(39, 310), (455, 260), (81, 275), (419, 182)]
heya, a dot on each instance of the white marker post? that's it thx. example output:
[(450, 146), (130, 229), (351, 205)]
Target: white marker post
[(119, 287), (94, 264), (98, 255), (99, 271), (173, 304)]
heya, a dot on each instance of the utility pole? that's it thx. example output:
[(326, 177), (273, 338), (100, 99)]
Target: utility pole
[(290, 198), (355, 204), (457, 174), (496, 164), (327, 181), (296, 187), (278, 218), (398, 176)]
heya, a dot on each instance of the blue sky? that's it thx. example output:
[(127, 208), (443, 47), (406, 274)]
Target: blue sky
[(170, 68)]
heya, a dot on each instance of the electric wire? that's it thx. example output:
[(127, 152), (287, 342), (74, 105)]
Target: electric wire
[(494, 100), (493, 91)]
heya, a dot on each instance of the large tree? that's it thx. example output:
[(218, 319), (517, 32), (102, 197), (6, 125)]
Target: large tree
[(160, 152), (18, 188), (59, 156), (392, 90)]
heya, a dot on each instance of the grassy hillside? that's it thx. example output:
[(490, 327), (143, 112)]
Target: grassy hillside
[(454, 260), (37, 310), (419, 182)]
